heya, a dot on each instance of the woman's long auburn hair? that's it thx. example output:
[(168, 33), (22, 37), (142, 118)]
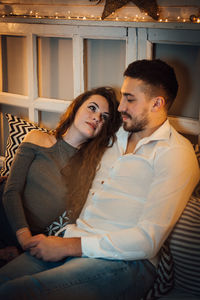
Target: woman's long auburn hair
[(82, 166)]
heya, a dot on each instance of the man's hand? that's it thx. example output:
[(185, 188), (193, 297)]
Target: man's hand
[(53, 248)]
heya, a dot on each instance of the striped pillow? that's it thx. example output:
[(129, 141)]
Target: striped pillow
[(165, 274), (18, 128), (185, 248), (164, 281), (197, 188)]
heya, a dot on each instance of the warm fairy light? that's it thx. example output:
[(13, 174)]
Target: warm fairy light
[(144, 17)]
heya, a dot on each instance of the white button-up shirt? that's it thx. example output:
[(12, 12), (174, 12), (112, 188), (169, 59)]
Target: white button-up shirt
[(137, 198)]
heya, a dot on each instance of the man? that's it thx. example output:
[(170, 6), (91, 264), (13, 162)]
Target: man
[(138, 194)]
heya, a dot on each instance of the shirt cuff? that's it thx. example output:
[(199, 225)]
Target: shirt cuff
[(90, 246)]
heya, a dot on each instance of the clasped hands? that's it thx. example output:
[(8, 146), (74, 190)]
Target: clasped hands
[(50, 248)]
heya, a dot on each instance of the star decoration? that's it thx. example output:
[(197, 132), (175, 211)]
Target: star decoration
[(148, 6)]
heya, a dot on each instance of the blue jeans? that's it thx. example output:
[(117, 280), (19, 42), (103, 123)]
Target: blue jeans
[(27, 277)]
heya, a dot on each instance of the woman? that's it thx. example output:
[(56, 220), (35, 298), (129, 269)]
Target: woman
[(53, 172)]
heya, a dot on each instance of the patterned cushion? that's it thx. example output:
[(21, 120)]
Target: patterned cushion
[(185, 248), (18, 128), (197, 188), (165, 274), (177, 263), (58, 224)]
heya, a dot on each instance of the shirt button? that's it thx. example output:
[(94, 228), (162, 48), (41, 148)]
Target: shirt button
[(93, 194), (102, 182)]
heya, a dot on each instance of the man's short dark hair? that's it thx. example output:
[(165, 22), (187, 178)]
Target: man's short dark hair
[(156, 73)]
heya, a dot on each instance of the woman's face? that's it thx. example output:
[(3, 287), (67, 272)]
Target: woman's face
[(90, 117)]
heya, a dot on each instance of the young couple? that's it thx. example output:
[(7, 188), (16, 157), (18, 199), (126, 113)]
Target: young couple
[(124, 193)]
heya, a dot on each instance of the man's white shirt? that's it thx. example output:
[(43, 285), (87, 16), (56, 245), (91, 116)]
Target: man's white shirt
[(137, 198)]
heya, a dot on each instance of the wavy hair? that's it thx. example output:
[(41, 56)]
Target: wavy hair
[(82, 166)]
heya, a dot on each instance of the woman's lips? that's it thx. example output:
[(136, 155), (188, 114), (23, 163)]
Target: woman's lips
[(93, 126)]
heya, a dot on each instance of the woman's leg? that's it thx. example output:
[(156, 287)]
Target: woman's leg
[(24, 264), (76, 278)]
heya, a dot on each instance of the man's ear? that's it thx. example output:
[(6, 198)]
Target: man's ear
[(158, 103)]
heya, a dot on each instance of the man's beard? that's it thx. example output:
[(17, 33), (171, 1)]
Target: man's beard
[(136, 124)]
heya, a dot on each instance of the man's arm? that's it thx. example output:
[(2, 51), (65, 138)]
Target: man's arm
[(176, 173), (53, 248)]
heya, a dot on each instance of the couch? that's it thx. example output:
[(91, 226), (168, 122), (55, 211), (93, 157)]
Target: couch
[(178, 274)]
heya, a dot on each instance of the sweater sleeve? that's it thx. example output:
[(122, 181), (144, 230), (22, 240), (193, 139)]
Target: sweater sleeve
[(13, 193)]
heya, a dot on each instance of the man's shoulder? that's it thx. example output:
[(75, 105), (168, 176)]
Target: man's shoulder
[(177, 139)]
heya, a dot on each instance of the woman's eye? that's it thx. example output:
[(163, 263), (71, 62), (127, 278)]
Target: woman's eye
[(105, 117), (92, 107)]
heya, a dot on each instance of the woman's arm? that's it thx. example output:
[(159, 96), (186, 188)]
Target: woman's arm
[(14, 188)]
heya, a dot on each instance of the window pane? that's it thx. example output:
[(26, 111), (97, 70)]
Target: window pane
[(104, 62), (186, 61), (55, 68), (14, 64), (48, 119)]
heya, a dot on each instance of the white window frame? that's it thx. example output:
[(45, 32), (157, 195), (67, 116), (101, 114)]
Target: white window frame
[(139, 38)]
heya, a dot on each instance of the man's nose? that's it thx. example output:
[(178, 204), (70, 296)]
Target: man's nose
[(122, 106)]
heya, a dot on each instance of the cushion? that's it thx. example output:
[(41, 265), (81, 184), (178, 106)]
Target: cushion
[(179, 262), (185, 248), (165, 274), (58, 224), (197, 188), (18, 128)]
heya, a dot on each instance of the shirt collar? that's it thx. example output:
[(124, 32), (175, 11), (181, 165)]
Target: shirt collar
[(162, 133)]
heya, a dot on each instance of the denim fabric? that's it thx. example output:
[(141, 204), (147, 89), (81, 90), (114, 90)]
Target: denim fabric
[(75, 278)]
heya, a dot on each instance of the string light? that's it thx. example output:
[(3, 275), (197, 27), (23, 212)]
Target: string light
[(113, 17)]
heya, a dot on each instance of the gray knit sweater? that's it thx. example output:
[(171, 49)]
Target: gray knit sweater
[(35, 193)]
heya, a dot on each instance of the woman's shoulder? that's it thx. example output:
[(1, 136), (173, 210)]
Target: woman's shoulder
[(40, 138)]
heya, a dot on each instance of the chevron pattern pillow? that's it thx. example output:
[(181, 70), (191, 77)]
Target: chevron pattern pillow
[(18, 128)]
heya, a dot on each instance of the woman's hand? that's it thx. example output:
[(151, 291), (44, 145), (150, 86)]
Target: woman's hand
[(53, 248), (24, 236)]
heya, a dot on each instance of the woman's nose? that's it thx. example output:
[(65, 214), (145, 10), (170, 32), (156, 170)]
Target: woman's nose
[(97, 117)]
